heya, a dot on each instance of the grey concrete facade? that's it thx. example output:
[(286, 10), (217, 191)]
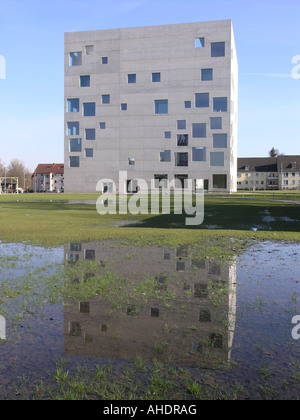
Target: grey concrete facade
[(113, 123)]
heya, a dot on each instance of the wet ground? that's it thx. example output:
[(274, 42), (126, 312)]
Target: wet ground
[(228, 322)]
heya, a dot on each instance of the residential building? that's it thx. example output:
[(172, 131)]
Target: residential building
[(48, 178), (156, 103), (280, 173)]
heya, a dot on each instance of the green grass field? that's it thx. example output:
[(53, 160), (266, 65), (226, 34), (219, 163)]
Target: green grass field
[(49, 219)]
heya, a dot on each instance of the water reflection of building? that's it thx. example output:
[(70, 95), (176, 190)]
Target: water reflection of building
[(192, 324)]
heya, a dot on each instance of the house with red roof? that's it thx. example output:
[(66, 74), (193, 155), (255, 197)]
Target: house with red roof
[(48, 177)]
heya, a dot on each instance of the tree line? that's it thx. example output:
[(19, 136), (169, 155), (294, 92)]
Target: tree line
[(18, 169)]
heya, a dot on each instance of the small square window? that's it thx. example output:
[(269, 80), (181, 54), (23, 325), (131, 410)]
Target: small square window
[(206, 75), (102, 126), (188, 104), (167, 134), (216, 123), (85, 81), (105, 99), (199, 130), (131, 161), (200, 42), (89, 109), (218, 49), (181, 159), (75, 145), (131, 78), (89, 49), (75, 59), (165, 156), (73, 128), (181, 124), (90, 134), (182, 140), (155, 77), (73, 105), (104, 60), (123, 107), (89, 153)]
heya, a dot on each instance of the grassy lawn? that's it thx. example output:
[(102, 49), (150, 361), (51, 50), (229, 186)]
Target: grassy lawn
[(49, 219)]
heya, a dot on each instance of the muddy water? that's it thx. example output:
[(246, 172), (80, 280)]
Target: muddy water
[(172, 305)]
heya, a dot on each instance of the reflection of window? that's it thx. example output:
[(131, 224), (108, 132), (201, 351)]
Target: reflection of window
[(84, 307), (74, 329), (216, 340), (90, 254), (154, 312), (75, 247), (204, 316), (180, 266), (161, 181), (200, 290), (182, 140)]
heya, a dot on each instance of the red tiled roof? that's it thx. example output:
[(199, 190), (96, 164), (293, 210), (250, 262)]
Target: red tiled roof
[(50, 168)]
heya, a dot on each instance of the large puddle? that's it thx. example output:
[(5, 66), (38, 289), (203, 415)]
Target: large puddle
[(227, 322)]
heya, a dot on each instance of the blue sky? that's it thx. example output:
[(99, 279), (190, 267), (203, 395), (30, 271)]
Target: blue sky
[(267, 34)]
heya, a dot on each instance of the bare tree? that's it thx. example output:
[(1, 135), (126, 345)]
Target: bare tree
[(18, 169), (1, 168)]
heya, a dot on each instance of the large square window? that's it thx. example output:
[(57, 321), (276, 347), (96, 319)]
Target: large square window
[(75, 59), (165, 156), (90, 134), (220, 141), (161, 106), (202, 100), (206, 75), (199, 130), (89, 109), (218, 49), (85, 81), (73, 105), (182, 140), (155, 77), (105, 99), (181, 159), (220, 104), (199, 154), (75, 145), (73, 128), (220, 181), (74, 161), (217, 159), (216, 123)]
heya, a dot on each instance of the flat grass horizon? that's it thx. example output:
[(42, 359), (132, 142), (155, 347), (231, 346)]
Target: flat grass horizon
[(51, 220)]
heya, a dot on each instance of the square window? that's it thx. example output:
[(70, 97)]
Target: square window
[(155, 77), (73, 128), (199, 130), (202, 100), (218, 49), (75, 59), (73, 105), (165, 156), (181, 124), (182, 140), (123, 107), (181, 159), (200, 42), (131, 78), (102, 126), (161, 106), (131, 161), (167, 134), (89, 109), (75, 145), (216, 123), (89, 153), (217, 159), (206, 75), (90, 134), (188, 104), (220, 104), (161, 181), (90, 254), (105, 99), (199, 154), (85, 81), (89, 49), (220, 181), (104, 60), (220, 141), (74, 161)]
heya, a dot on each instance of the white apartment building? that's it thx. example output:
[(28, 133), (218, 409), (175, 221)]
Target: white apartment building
[(156, 103), (48, 177)]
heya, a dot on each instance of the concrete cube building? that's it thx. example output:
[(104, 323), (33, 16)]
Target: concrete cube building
[(157, 103)]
